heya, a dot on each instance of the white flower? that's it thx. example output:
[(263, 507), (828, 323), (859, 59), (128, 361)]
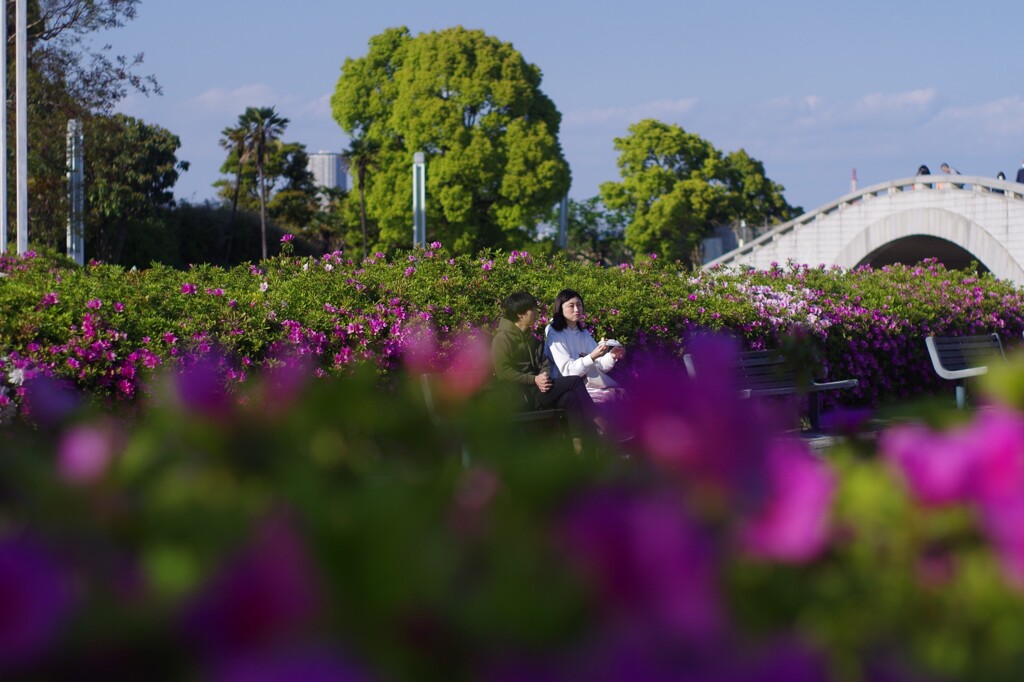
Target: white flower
[(16, 377)]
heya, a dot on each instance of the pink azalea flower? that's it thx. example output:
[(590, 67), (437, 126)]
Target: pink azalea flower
[(85, 451), (287, 238), (792, 523), (94, 304), (188, 289), (938, 468)]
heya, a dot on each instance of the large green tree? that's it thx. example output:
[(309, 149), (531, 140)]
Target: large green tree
[(677, 187), (474, 105), (129, 177)]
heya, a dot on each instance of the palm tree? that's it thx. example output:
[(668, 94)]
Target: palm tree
[(262, 126), (361, 156), (235, 141)]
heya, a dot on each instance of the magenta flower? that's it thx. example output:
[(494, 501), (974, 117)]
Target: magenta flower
[(188, 289), (94, 304), (287, 238), (409, 271), (50, 299), (793, 522), (35, 601), (215, 292), (938, 468), (118, 307)]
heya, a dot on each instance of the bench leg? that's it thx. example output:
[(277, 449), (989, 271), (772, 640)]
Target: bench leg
[(813, 411), (961, 394)]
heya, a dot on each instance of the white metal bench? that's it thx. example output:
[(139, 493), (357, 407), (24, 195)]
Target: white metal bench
[(959, 358)]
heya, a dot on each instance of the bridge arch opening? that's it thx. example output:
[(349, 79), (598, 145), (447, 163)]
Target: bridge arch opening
[(915, 248)]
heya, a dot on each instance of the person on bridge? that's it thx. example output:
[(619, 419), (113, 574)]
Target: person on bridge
[(945, 167), (923, 170), (1020, 173)]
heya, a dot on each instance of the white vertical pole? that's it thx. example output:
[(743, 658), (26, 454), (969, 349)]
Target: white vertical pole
[(3, 132), (76, 195), (419, 200), (21, 122)]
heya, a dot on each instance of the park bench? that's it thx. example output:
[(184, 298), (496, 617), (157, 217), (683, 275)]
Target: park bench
[(765, 373), (555, 416), (958, 358)]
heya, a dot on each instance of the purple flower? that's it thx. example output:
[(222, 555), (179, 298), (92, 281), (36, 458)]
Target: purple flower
[(188, 289), (262, 598), (287, 238), (35, 601), (409, 271), (648, 562), (118, 307), (94, 304), (49, 299), (289, 665), (202, 388)]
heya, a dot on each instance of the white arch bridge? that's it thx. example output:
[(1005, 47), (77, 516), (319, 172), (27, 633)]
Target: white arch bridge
[(955, 218)]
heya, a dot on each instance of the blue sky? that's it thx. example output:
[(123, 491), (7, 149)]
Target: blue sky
[(812, 89)]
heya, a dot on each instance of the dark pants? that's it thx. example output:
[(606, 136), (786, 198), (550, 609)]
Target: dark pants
[(569, 394)]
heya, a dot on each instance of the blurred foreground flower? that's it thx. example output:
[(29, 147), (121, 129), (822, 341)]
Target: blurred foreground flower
[(35, 601)]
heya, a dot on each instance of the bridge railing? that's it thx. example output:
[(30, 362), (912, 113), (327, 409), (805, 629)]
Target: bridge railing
[(943, 182)]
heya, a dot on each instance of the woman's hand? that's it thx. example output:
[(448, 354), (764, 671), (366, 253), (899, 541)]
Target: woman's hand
[(600, 351), (618, 353)]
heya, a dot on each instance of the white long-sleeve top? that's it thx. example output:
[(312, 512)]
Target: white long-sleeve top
[(569, 352)]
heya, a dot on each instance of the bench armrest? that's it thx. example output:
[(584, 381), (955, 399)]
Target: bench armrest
[(832, 385)]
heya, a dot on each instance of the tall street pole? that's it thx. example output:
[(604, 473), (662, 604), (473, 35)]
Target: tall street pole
[(3, 135), (21, 122)]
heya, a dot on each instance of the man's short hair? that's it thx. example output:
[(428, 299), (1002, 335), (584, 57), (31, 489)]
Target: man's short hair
[(517, 304)]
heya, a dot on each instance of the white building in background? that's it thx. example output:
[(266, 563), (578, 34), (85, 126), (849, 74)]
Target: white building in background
[(329, 170)]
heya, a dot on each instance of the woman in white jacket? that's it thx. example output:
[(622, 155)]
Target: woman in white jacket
[(574, 352)]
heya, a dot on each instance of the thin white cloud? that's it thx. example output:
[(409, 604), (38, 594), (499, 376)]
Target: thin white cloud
[(886, 103), (319, 108), (237, 99), (655, 109), (1001, 117)]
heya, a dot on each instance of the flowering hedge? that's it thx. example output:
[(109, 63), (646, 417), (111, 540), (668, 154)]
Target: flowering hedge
[(294, 529), (107, 328)]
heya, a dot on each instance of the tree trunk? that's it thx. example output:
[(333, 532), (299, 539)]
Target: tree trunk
[(263, 209), (362, 207)]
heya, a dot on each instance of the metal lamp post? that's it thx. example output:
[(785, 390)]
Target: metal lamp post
[(419, 200)]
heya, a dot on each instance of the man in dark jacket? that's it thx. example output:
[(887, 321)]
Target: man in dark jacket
[(1020, 173), (518, 358)]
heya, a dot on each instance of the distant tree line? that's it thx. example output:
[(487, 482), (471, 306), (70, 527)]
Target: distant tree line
[(471, 102)]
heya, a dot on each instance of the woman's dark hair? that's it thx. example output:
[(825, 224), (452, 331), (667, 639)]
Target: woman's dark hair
[(923, 170), (558, 322), (517, 304)]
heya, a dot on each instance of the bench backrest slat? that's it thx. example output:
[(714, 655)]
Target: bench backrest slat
[(961, 352)]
